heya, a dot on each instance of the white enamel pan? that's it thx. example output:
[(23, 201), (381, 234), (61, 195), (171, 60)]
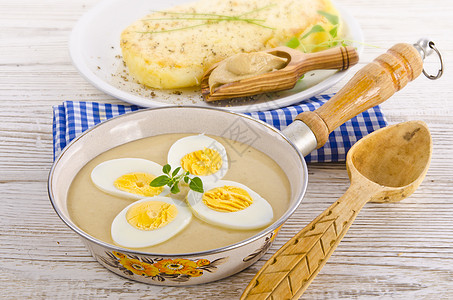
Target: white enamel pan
[(372, 85)]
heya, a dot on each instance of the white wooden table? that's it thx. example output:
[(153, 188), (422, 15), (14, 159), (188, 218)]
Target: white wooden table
[(402, 250)]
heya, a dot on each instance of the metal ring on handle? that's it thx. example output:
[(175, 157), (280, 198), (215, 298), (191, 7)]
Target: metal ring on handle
[(425, 47), (441, 70)]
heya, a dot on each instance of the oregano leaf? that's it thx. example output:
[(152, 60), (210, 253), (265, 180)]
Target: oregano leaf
[(175, 188), (166, 169), (175, 172), (196, 185), (159, 181)]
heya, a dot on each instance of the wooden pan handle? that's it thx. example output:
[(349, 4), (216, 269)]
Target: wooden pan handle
[(370, 86), (288, 273)]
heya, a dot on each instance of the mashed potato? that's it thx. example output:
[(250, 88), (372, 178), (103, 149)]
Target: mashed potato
[(173, 49)]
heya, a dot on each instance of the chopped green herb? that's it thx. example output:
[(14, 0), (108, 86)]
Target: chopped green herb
[(293, 43), (208, 19), (314, 29), (333, 19), (334, 31), (333, 41)]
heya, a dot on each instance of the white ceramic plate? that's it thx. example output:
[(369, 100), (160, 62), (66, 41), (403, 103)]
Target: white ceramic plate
[(95, 52)]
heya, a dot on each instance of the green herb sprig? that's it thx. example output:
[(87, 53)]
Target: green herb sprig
[(294, 42), (172, 180), (208, 19)]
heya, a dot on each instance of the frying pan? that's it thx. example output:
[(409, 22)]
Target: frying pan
[(372, 85)]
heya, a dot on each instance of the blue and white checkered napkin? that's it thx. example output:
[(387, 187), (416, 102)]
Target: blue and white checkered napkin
[(72, 118)]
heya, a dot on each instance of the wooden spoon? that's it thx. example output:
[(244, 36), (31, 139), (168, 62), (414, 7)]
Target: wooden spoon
[(386, 166), (299, 63)]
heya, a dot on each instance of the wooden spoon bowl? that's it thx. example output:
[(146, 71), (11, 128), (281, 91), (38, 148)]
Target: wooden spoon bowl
[(299, 63), (385, 166), (396, 159)]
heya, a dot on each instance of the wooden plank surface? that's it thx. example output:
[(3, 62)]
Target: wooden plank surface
[(399, 251)]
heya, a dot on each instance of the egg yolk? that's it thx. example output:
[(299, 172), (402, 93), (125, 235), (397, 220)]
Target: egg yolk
[(151, 215), (202, 162), (138, 183), (227, 199)]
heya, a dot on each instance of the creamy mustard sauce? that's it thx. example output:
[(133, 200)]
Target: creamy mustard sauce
[(244, 65), (93, 210)]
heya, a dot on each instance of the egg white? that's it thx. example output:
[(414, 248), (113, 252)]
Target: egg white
[(126, 235), (104, 175), (257, 215), (193, 143)]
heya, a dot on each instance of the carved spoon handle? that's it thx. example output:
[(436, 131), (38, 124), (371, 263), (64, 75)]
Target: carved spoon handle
[(288, 273)]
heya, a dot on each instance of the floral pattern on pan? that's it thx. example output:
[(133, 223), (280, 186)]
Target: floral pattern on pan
[(263, 249), (160, 269)]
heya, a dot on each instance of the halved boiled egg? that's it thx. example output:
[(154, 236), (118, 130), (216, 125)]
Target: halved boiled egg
[(128, 178), (150, 221), (201, 156), (230, 204)]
